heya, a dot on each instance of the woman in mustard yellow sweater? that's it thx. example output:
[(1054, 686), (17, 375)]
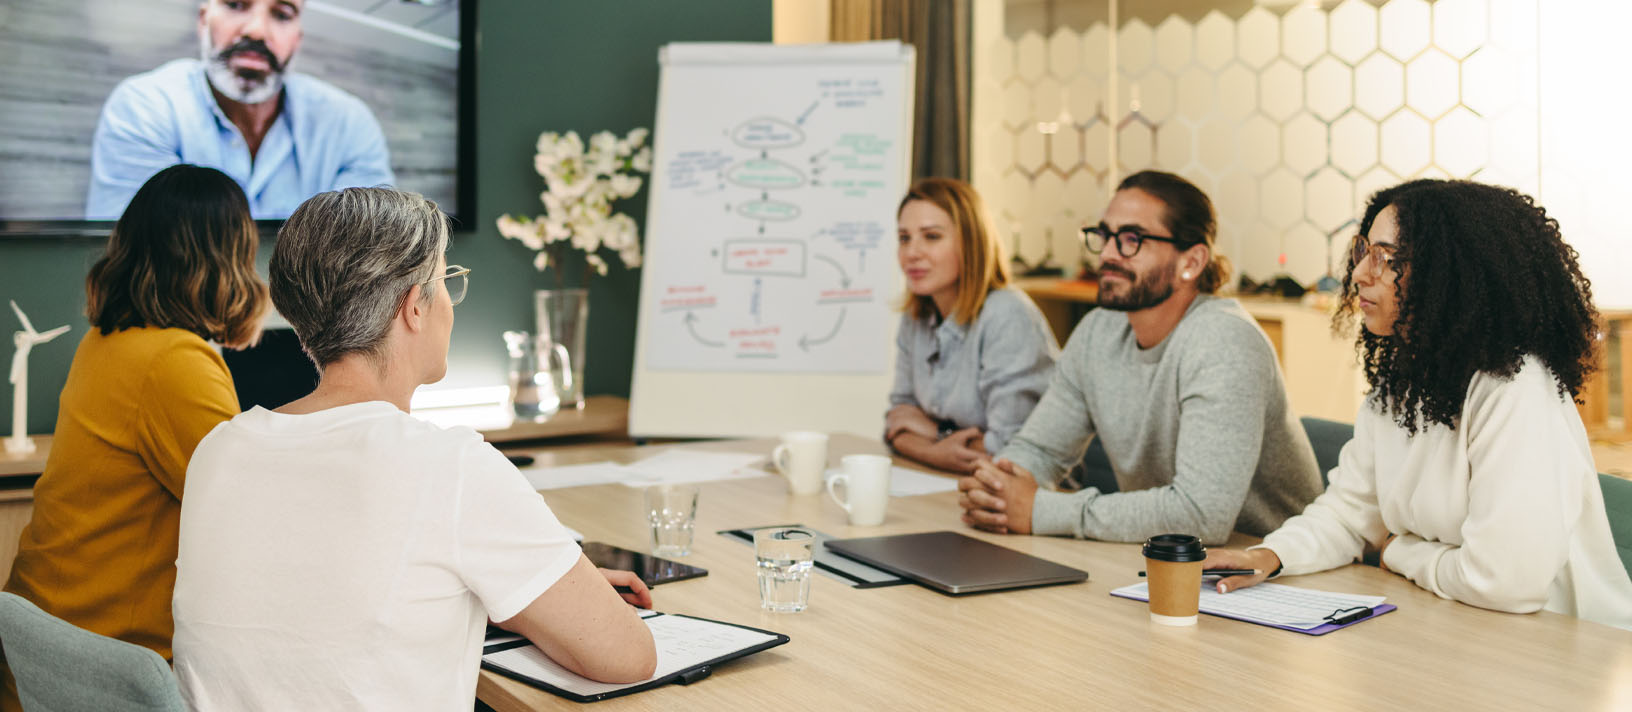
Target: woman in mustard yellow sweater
[(145, 386)]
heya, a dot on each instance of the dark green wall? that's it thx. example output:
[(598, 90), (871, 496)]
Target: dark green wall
[(542, 65)]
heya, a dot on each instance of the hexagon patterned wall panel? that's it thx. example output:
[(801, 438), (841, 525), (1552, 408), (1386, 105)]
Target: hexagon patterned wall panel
[(1290, 118)]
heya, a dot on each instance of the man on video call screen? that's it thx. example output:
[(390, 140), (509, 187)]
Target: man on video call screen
[(283, 136)]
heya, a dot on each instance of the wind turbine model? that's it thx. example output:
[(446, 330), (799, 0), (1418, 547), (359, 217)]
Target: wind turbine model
[(25, 340)]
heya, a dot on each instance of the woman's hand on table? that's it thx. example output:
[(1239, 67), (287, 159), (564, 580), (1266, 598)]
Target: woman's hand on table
[(960, 451), (1261, 559), (638, 595)]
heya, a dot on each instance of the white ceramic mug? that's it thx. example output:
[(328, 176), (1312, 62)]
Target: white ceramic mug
[(866, 480), (802, 458)]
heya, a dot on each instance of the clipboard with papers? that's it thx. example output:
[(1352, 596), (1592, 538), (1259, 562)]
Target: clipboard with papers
[(688, 649), (1300, 610)]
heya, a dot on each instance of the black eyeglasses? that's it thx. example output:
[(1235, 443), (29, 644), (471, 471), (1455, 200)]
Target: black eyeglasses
[(1382, 256), (1128, 240)]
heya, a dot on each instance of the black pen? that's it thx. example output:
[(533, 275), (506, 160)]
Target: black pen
[(1348, 618), (1225, 572)]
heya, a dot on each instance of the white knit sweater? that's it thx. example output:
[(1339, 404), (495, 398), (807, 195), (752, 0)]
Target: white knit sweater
[(1503, 512)]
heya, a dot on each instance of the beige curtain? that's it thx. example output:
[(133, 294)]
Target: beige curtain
[(939, 31)]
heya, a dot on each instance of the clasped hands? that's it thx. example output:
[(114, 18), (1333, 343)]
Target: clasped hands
[(997, 497), (913, 433)]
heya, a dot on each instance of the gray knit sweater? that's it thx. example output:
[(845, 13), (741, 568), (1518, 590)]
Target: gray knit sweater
[(1198, 430)]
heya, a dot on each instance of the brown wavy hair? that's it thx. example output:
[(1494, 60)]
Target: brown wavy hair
[(984, 268), (182, 256)]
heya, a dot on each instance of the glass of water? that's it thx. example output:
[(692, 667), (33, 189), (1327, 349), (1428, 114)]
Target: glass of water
[(672, 512), (783, 555)]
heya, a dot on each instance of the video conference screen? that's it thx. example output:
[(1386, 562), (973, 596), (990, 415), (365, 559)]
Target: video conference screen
[(289, 97)]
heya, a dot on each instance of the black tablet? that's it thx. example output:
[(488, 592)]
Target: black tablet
[(651, 569)]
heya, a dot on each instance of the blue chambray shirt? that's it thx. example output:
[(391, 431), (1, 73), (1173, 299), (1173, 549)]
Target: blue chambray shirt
[(323, 139), (987, 374)]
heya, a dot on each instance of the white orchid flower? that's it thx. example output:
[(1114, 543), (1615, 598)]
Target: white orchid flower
[(624, 186), (556, 231), (595, 261), (548, 143), (581, 185)]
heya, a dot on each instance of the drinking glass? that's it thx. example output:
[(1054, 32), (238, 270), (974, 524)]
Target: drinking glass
[(672, 512), (783, 556), (532, 389)]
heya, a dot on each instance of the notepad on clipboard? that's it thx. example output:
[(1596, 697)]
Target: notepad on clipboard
[(1301, 610), (687, 650)]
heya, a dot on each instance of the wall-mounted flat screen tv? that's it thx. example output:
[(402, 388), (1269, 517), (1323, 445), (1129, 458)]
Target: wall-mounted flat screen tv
[(289, 97)]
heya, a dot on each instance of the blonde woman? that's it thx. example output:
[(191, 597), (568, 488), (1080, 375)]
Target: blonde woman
[(973, 355)]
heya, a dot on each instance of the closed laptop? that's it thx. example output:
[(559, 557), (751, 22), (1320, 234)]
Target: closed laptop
[(955, 563)]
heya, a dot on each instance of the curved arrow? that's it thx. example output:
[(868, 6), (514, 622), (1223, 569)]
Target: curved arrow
[(805, 342), (691, 321), (844, 278)]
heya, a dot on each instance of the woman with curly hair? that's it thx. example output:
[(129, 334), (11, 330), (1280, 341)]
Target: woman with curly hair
[(1469, 469)]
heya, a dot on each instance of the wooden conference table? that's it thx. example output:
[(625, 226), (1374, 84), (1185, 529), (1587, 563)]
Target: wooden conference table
[(1074, 646)]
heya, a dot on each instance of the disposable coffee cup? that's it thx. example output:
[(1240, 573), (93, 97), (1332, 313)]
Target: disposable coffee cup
[(1173, 573)]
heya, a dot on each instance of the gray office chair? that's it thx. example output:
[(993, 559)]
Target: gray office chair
[(63, 668), (1327, 437), (1618, 505)]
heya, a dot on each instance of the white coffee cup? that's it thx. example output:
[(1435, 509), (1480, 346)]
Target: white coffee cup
[(802, 458), (866, 480)]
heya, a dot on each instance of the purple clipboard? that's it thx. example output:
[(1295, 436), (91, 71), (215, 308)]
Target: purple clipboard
[(1318, 630)]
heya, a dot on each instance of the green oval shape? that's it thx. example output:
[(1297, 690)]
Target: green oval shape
[(765, 174), (768, 210)]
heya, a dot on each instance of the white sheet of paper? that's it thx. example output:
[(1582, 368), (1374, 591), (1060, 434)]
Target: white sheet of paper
[(676, 466), (545, 477), (909, 483), (681, 643)]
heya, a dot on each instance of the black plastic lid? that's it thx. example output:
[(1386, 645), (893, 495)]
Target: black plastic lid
[(1175, 547)]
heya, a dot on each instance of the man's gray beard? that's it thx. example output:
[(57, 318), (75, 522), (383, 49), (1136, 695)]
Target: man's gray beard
[(1142, 293), (230, 84)]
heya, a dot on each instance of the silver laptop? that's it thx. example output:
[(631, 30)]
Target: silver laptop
[(954, 563)]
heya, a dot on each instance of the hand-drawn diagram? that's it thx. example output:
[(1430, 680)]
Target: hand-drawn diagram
[(772, 243)]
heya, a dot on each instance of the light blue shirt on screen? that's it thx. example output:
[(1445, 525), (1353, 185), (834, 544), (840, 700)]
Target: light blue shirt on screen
[(323, 139)]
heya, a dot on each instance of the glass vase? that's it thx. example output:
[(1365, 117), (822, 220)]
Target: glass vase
[(563, 320)]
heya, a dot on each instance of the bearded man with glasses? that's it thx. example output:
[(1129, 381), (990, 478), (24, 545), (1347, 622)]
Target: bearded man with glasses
[(1182, 388), (282, 136)]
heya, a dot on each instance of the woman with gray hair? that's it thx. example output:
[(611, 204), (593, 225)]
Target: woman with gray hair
[(338, 553)]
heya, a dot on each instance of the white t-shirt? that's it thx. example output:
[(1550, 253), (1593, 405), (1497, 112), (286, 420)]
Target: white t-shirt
[(349, 559)]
